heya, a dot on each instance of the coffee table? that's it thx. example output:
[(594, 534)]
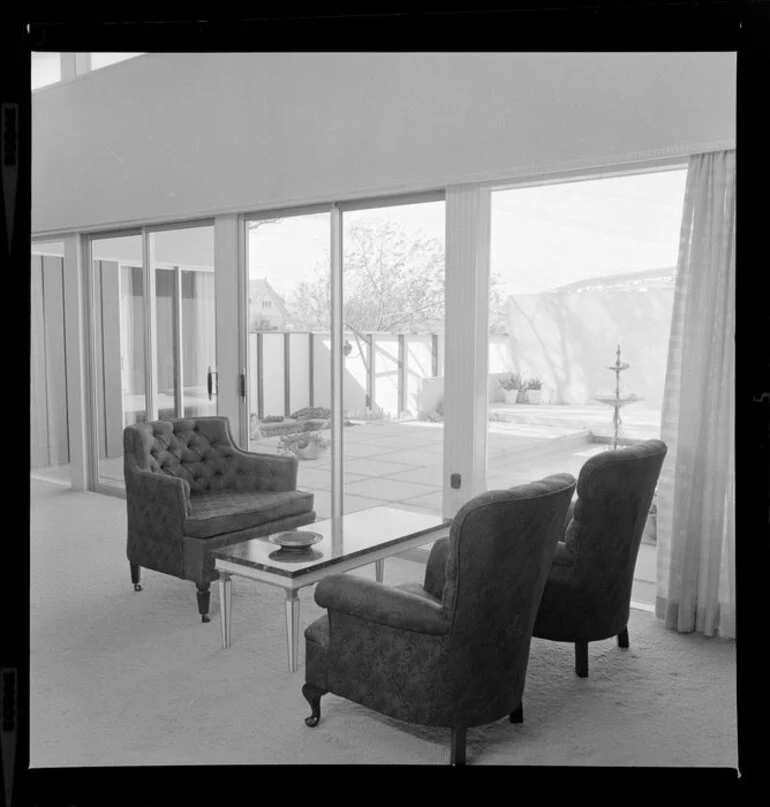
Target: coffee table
[(351, 541)]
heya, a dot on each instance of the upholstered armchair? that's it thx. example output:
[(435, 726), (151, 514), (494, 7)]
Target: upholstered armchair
[(454, 651), (191, 490), (588, 594)]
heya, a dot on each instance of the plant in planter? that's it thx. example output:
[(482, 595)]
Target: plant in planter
[(305, 445), (534, 390), (311, 412), (511, 384)]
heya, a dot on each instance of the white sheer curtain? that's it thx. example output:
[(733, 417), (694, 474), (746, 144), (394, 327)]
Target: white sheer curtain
[(696, 491)]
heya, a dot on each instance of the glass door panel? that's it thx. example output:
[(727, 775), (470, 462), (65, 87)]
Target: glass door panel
[(198, 342), (185, 319), (167, 323), (289, 347), (577, 269), (393, 284), (118, 355)]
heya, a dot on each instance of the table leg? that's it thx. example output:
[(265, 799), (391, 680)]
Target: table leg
[(225, 607), (379, 569), (292, 628)]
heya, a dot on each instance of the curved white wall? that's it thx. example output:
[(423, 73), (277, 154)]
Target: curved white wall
[(169, 136)]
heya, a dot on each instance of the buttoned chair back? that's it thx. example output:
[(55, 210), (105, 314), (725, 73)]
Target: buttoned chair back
[(201, 451)]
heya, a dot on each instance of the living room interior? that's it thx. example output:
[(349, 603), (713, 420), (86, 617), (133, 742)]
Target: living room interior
[(435, 277)]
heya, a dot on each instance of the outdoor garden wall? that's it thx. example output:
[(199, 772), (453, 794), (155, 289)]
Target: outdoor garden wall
[(569, 339)]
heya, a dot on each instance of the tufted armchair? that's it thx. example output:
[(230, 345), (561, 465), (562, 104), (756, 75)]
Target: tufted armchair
[(190, 490), (588, 594), (446, 653)]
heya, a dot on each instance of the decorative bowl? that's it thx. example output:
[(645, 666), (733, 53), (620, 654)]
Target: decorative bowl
[(297, 540)]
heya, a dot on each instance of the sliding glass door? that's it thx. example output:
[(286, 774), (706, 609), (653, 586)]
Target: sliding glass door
[(390, 260), (393, 293), (288, 378), (582, 277), (152, 325), (182, 261)]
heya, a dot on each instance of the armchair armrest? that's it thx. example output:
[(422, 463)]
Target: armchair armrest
[(435, 571), (269, 471), (375, 602), (149, 495), (156, 506)]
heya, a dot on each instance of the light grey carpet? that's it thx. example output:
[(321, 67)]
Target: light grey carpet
[(126, 678)]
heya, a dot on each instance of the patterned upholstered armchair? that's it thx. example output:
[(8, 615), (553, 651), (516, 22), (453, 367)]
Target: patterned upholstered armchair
[(446, 653), (588, 594), (190, 490)]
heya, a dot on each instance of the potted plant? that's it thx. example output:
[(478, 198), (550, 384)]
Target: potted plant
[(534, 390), (305, 445), (511, 385)]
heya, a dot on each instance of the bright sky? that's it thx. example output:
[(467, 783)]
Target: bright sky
[(542, 237)]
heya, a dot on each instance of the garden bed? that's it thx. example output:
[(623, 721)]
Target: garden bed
[(291, 426)]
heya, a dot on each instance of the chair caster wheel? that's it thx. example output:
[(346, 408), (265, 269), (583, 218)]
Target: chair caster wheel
[(312, 721), (137, 586), (205, 618)]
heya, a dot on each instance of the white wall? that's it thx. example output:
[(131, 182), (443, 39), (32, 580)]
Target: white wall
[(170, 136)]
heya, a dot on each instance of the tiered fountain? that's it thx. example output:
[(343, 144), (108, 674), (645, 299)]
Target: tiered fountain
[(617, 401)]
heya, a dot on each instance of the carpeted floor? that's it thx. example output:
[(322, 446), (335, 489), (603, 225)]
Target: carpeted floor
[(126, 678)]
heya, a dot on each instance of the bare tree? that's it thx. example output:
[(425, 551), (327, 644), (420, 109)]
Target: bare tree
[(393, 281)]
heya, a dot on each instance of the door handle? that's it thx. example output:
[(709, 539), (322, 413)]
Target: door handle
[(213, 385), (243, 382)]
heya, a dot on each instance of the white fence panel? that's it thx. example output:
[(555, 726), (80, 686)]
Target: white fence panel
[(273, 395), (299, 374)]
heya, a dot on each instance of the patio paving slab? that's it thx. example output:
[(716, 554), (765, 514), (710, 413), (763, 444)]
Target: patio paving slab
[(393, 443), (322, 504), (433, 500), (388, 489), (360, 449), (426, 475), (321, 478), (371, 466), (413, 457)]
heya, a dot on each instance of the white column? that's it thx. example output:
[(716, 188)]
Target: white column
[(230, 325), (467, 336), (337, 366), (75, 358)]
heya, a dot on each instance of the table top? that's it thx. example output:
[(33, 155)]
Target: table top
[(352, 535)]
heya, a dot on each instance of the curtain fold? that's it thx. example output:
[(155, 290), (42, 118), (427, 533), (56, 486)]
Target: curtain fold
[(696, 491)]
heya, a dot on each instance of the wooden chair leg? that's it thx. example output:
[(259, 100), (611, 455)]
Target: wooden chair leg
[(623, 638), (517, 715), (313, 696), (581, 659), (458, 746), (136, 571), (204, 597)]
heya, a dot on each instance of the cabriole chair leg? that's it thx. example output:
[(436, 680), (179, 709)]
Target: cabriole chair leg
[(204, 597), (313, 696), (458, 746), (581, 659), (517, 715), (623, 638), (136, 571)]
